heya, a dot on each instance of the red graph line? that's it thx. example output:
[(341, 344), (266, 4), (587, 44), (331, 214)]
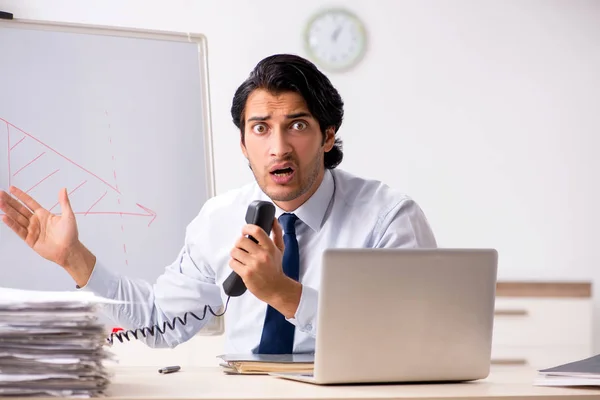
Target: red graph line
[(70, 193), (130, 214), (15, 145), (117, 186), (149, 211), (48, 176), (97, 201), (113, 213), (60, 155), (28, 164)]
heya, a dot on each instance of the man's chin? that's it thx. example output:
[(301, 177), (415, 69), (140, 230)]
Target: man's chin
[(283, 193), (282, 196)]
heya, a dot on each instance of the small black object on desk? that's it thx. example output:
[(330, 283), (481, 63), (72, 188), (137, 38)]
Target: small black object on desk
[(168, 370), (5, 15)]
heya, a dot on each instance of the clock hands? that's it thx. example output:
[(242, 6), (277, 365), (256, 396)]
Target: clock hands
[(336, 33)]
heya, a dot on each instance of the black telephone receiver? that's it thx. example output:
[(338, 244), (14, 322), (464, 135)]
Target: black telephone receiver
[(259, 213)]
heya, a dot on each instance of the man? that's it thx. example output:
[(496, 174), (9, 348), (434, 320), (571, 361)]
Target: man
[(288, 114)]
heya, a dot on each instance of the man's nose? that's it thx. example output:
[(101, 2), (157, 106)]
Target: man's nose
[(280, 145)]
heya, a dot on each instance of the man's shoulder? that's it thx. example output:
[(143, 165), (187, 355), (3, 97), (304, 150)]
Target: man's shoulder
[(375, 206), (357, 191)]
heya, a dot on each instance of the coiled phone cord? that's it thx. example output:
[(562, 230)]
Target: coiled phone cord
[(153, 330)]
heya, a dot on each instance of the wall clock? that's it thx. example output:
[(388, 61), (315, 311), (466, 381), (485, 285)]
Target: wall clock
[(335, 39)]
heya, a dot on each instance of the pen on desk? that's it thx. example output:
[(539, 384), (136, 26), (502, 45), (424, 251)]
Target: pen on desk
[(5, 15), (168, 370)]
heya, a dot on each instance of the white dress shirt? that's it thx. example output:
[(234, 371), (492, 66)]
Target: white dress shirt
[(345, 211)]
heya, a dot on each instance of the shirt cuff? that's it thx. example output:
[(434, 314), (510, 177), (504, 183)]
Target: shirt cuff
[(306, 314), (101, 282)]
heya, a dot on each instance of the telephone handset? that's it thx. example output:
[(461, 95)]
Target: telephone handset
[(259, 213)]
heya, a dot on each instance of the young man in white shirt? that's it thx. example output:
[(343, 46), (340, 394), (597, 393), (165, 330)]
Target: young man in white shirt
[(288, 114)]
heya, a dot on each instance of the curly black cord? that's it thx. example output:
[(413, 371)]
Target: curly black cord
[(156, 328)]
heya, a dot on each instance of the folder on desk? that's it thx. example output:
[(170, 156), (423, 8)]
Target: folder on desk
[(584, 372), (262, 364)]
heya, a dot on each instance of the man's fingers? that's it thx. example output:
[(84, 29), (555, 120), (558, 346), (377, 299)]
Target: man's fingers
[(247, 245), (257, 233), (237, 267), (18, 229), (240, 255), (65, 203), (278, 235), (7, 203), (16, 216), (25, 198)]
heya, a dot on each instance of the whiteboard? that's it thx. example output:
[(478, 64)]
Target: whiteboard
[(120, 118)]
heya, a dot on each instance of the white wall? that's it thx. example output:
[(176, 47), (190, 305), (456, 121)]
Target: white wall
[(487, 113)]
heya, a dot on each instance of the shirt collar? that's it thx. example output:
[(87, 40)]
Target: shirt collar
[(312, 212)]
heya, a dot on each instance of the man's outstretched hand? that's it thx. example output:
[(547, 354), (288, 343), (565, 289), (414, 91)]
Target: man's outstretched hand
[(54, 237)]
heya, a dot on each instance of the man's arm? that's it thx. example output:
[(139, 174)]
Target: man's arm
[(187, 285), (305, 318), (183, 287)]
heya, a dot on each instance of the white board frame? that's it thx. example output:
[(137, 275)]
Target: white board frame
[(216, 326)]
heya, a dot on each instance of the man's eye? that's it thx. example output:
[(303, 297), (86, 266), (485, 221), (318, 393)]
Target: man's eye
[(299, 126), (259, 128)]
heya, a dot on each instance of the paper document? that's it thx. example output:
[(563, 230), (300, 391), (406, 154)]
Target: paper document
[(52, 344), (253, 364), (584, 372)]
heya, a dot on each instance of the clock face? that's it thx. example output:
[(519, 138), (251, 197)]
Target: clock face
[(336, 39)]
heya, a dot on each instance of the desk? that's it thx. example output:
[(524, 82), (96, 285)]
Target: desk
[(504, 382)]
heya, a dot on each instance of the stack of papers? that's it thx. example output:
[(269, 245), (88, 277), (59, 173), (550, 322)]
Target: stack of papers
[(584, 372), (51, 344), (263, 364)]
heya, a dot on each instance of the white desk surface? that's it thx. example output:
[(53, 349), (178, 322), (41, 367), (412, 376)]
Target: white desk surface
[(504, 382)]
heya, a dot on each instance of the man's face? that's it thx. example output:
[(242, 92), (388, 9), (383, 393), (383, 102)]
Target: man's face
[(284, 146)]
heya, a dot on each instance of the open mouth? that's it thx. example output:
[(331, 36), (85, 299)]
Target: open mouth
[(282, 172)]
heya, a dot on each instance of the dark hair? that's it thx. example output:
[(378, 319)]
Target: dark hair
[(290, 73)]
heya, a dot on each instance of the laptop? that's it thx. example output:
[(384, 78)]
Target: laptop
[(404, 315)]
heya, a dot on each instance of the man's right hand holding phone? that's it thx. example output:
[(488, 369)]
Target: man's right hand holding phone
[(54, 237)]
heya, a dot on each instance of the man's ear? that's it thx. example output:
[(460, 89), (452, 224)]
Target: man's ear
[(243, 147), (329, 139)]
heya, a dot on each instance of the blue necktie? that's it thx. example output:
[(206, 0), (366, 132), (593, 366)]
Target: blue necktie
[(278, 334)]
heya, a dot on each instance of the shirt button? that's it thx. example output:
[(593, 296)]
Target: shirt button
[(309, 327)]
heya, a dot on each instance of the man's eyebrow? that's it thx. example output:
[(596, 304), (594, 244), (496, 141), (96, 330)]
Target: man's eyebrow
[(257, 118), (289, 116), (297, 115)]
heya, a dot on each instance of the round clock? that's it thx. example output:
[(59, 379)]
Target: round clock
[(336, 39)]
